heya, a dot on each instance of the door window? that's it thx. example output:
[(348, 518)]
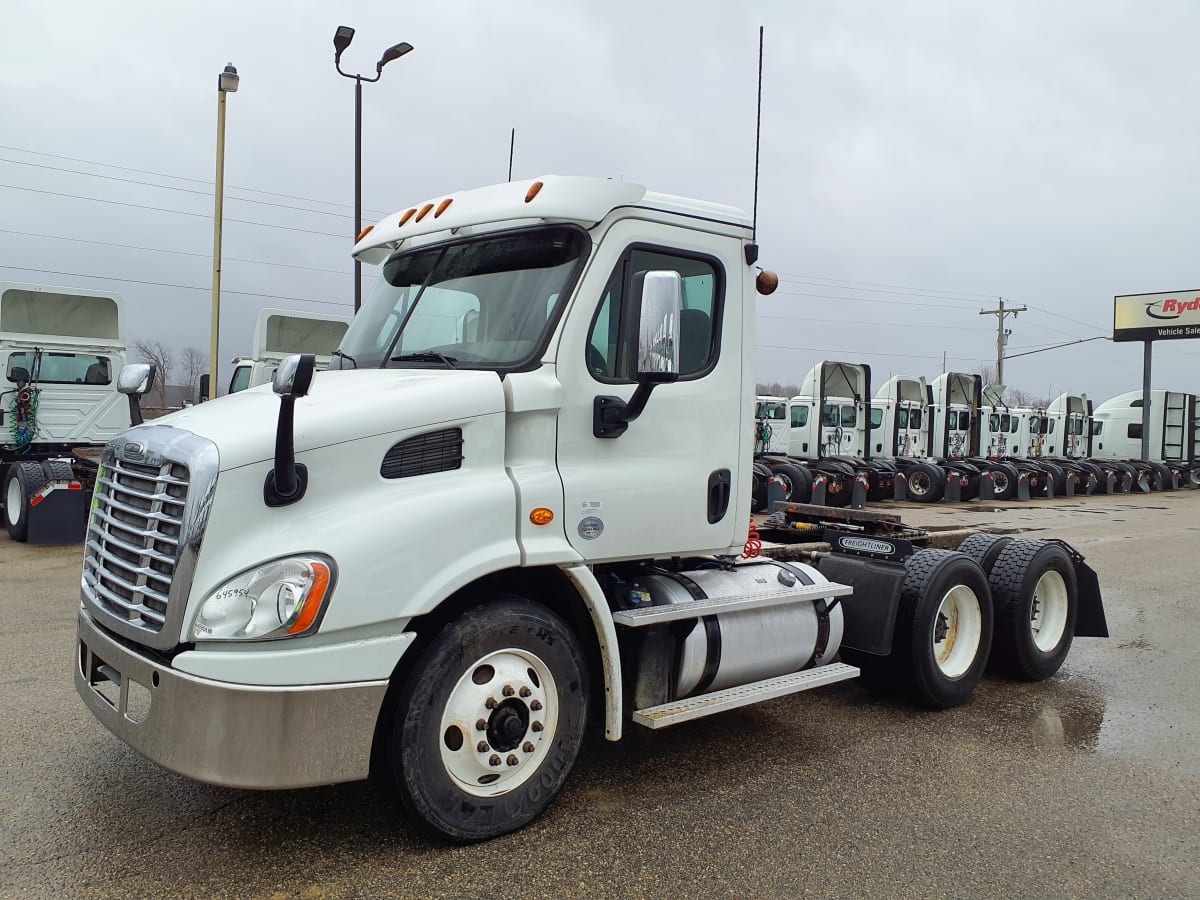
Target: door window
[(612, 343), (799, 416)]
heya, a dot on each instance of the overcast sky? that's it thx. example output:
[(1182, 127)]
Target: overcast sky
[(920, 159)]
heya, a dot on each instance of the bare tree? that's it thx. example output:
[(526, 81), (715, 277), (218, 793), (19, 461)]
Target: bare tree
[(163, 359), (194, 363), (778, 389)]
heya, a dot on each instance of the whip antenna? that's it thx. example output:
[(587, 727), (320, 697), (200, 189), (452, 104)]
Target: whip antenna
[(512, 144), (757, 134)]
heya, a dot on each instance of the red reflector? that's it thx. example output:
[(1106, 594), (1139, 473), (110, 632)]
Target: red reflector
[(35, 499), (74, 486)]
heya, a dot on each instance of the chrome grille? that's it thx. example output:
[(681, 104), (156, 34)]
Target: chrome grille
[(152, 501), (133, 540)]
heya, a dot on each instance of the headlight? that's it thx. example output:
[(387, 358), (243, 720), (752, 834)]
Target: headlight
[(282, 598)]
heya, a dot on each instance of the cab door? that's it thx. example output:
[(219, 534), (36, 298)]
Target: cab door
[(670, 483)]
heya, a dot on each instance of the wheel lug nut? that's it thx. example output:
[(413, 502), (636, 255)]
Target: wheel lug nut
[(536, 726), (535, 705), (482, 747), (481, 725), (508, 690), (495, 760), (512, 759), (490, 703), (528, 748), (525, 692)]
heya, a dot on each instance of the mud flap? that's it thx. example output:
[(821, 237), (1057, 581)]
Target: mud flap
[(775, 492), (1110, 483), (858, 494), (900, 487), (1090, 620), (953, 488), (1157, 482), (1070, 485), (1143, 484), (1049, 486), (820, 480), (1023, 486), (1126, 485), (987, 487)]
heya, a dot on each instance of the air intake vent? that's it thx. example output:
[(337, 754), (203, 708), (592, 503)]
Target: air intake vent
[(438, 451)]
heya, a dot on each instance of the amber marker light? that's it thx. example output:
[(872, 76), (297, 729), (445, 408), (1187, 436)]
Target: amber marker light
[(408, 215), (362, 234), (424, 211), (541, 516), (534, 190), (312, 603), (443, 206)]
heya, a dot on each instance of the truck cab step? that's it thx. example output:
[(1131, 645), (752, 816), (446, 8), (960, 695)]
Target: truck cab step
[(743, 695), (673, 612)]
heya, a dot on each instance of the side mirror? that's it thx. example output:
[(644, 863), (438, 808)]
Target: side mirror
[(287, 482), (661, 295), (294, 375), (658, 296), (20, 376), (203, 395), (135, 380)]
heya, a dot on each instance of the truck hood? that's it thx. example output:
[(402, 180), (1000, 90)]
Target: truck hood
[(341, 406)]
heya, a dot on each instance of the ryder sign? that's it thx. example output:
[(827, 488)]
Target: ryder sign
[(1156, 317)]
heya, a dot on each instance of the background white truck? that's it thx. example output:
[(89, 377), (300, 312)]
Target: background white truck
[(61, 350), (278, 333), (566, 365)]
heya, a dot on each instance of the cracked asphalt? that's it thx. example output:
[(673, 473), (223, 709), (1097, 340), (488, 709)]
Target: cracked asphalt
[(1085, 785)]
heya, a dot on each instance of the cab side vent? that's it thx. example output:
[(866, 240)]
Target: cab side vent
[(437, 451)]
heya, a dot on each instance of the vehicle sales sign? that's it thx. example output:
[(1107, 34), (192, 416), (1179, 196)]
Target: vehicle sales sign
[(1156, 317)]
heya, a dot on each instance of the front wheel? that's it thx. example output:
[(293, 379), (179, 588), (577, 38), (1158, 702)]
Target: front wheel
[(488, 724)]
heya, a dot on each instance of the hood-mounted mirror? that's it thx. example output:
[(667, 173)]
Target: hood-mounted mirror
[(287, 482), (136, 380)]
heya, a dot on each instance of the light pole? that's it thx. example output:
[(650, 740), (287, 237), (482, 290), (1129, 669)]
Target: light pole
[(227, 83), (341, 40)]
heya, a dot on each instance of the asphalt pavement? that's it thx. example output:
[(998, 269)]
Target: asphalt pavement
[(1084, 785)]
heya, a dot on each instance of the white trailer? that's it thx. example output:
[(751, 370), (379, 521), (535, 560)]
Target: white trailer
[(61, 350), (278, 334), (301, 619)]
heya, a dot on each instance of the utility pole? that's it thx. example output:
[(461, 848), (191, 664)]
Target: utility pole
[(1001, 333)]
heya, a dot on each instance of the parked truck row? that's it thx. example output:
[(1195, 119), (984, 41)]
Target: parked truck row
[(567, 365), (836, 444)]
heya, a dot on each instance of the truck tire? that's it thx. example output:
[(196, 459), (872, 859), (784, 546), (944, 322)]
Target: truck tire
[(984, 548), (1037, 600), (22, 481), (488, 723), (1004, 477), (1164, 473), (926, 483), (943, 628), (1194, 478), (797, 482), (1057, 475)]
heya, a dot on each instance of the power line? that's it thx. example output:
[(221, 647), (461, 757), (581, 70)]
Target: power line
[(170, 187), (873, 300), (973, 296), (92, 162), (259, 262), (186, 287), (178, 212)]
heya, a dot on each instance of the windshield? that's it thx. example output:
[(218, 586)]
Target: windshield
[(482, 303)]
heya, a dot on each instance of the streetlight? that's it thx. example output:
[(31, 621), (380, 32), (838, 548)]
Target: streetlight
[(341, 40), (227, 83)]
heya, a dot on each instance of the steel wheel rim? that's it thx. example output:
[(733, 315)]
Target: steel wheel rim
[(919, 483), (13, 501), (787, 482), (957, 631), (999, 480), (512, 694), (1048, 613)]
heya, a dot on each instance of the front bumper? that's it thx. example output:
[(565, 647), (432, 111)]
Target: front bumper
[(236, 735)]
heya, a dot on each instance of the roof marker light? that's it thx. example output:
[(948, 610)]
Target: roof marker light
[(408, 215), (443, 206), (533, 191), (424, 211), (362, 234)]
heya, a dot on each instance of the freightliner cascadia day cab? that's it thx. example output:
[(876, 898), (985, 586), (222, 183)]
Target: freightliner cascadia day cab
[(279, 333), (271, 597)]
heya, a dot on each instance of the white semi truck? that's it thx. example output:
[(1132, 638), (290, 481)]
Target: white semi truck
[(1174, 435), (61, 351), (279, 333), (273, 595)]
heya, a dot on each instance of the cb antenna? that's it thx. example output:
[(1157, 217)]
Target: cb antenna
[(512, 145), (751, 249)]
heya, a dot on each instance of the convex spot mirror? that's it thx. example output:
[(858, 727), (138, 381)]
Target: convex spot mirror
[(660, 295), (136, 379), (294, 375)]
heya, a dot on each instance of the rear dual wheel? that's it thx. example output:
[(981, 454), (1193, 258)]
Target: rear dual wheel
[(1037, 601), (926, 483), (22, 481), (797, 481)]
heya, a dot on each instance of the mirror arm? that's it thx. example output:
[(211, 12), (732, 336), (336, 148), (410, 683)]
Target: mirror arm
[(611, 415), (135, 409), (286, 482)]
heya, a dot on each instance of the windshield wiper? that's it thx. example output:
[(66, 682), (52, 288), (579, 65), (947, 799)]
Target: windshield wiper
[(427, 356), (346, 356)]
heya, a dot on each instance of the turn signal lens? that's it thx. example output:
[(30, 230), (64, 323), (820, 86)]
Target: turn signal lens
[(443, 206), (541, 516), (362, 234), (533, 191)]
